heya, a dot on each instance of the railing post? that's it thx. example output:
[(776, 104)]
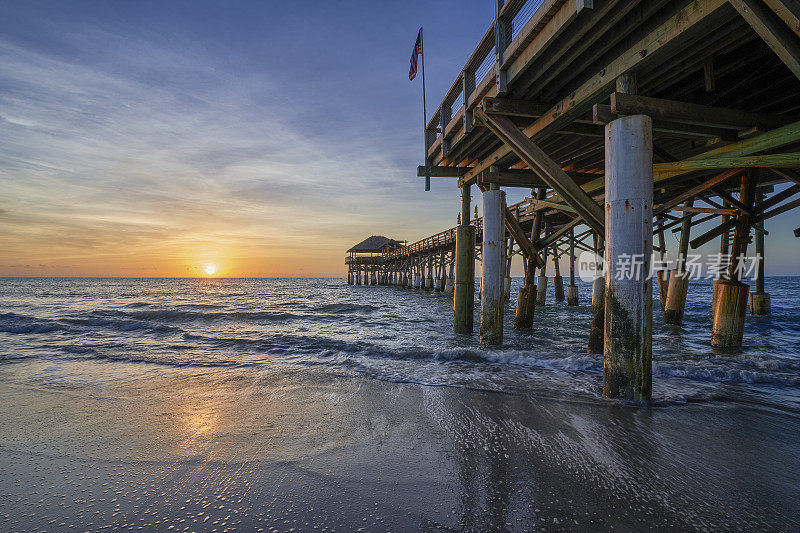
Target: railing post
[(445, 114), (467, 87), (502, 34)]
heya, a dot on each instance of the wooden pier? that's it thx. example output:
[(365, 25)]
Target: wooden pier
[(625, 119)]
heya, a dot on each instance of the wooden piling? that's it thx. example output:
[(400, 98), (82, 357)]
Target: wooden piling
[(679, 279), (661, 276), (526, 298), (727, 330), (558, 281), (464, 294), (464, 259), (760, 300), (596, 330), (541, 282), (572, 290)]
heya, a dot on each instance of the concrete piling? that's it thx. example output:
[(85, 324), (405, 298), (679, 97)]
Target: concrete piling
[(491, 327), (627, 353)]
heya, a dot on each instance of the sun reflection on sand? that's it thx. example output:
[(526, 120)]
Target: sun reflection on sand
[(200, 423)]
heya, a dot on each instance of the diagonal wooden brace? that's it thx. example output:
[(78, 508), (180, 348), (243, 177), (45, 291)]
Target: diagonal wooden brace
[(547, 169), (516, 231)]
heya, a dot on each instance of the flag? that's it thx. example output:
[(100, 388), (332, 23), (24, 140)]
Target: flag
[(417, 51)]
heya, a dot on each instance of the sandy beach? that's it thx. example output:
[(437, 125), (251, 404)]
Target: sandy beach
[(164, 450)]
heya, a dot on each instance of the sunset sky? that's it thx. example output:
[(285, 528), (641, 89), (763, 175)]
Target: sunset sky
[(264, 138)]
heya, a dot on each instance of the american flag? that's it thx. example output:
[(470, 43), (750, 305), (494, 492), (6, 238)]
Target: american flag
[(417, 50)]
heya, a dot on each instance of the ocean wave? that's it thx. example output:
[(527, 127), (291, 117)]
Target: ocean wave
[(346, 308), (22, 324), (174, 315), (122, 325), (719, 374)]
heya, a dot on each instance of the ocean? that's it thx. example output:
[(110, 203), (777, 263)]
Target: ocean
[(85, 329), (169, 394)]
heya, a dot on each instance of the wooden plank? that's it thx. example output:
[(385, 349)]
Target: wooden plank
[(702, 115), (772, 31), (601, 114), (790, 175), (550, 172), (789, 12), (544, 204), (511, 178), (601, 84), (543, 243), (766, 141), (722, 228), (559, 22), (777, 198), (692, 209), (694, 191), (511, 107), (441, 172), (664, 170)]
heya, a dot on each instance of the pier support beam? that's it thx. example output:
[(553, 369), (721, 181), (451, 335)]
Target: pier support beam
[(464, 294), (627, 353), (679, 278), (730, 307), (526, 299), (572, 290), (541, 282), (724, 245), (464, 291), (448, 286), (491, 328), (558, 281), (661, 274), (760, 301), (596, 343)]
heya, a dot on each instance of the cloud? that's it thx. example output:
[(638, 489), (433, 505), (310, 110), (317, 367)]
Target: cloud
[(99, 161)]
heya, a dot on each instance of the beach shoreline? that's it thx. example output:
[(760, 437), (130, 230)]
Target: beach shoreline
[(275, 450)]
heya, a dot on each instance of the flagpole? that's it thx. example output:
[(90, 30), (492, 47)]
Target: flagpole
[(424, 112)]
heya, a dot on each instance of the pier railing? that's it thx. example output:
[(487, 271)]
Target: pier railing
[(447, 238), (514, 27)]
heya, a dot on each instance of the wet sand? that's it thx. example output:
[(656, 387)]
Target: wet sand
[(157, 449)]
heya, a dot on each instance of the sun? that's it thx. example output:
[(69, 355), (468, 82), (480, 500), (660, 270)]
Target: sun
[(210, 270)]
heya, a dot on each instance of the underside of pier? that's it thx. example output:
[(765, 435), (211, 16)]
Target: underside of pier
[(625, 119)]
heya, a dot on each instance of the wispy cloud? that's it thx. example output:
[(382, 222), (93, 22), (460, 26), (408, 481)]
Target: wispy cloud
[(149, 152)]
